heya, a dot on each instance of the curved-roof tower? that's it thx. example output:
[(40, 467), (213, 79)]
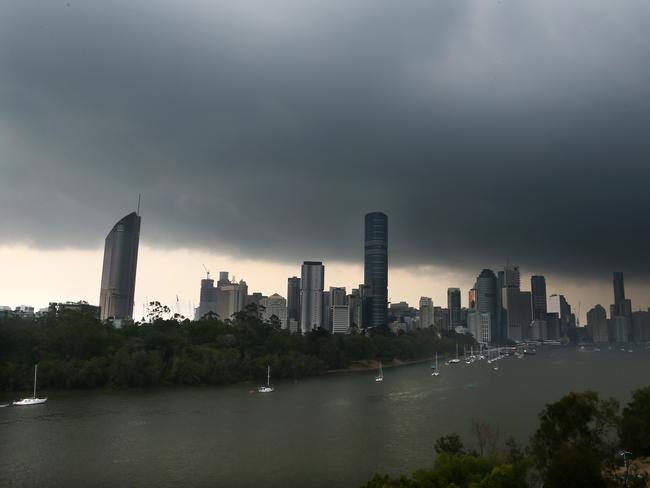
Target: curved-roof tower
[(118, 272)]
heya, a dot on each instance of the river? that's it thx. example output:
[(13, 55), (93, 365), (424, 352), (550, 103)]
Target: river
[(332, 431)]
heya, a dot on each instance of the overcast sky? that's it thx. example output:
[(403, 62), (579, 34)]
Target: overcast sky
[(261, 132)]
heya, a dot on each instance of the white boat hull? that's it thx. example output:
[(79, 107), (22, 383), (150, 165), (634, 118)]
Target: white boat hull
[(29, 401)]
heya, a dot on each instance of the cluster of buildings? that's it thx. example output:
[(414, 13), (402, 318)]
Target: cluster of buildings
[(623, 324), (498, 309), (308, 306)]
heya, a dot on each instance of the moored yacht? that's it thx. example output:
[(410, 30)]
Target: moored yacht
[(266, 388), (34, 400)]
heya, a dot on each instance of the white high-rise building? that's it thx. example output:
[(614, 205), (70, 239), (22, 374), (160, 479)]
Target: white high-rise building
[(275, 305), (340, 319), (311, 296), (480, 325), (426, 312)]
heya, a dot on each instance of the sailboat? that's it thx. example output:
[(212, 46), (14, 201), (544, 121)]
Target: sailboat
[(435, 371), (380, 376), (33, 400), (266, 388)]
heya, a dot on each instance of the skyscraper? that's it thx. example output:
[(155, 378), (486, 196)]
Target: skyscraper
[(557, 304), (426, 312), (118, 272), (453, 305), (376, 269), (512, 276), (500, 329), (354, 307), (597, 320), (619, 293), (486, 302), (293, 298), (538, 294), (207, 298), (311, 295)]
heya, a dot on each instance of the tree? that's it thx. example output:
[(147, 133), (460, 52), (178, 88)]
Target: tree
[(634, 429), (575, 433), (486, 436), (449, 444)]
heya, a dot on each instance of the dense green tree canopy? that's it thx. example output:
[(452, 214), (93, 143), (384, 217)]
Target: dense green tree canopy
[(75, 350)]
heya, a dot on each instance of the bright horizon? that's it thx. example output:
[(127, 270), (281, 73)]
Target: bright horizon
[(35, 277)]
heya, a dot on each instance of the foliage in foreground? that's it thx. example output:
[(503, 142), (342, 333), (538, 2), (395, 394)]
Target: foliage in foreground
[(78, 351), (577, 445)]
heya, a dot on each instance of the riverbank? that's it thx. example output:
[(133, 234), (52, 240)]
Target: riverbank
[(371, 364)]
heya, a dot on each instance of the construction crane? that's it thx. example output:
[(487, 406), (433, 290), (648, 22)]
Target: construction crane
[(207, 271)]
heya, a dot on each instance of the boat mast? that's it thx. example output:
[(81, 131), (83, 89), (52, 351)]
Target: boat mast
[(35, 371)]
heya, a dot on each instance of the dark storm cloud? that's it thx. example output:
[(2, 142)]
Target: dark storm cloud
[(485, 130)]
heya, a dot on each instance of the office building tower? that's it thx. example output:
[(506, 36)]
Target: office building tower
[(355, 308), (499, 328), (486, 300), (453, 305), (426, 312), (311, 296), (512, 278), (119, 269), (472, 300), (479, 325), (243, 296), (619, 294), (538, 297), (338, 296), (326, 319), (223, 278), (376, 269), (641, 326), (518, 313), (441, 318), (229, 300), (275, 308), (552, 326), (335, 296), (557, 304), (293, 298), (207, 299), (340, 319), (621, 328), (597, 321)]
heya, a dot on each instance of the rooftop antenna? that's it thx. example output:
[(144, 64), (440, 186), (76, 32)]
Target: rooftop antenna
[(139, 195)]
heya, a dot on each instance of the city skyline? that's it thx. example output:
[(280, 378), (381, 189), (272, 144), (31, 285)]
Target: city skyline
[(245, 158), (183, 279)]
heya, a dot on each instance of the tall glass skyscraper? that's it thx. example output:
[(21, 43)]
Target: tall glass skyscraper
[(118, 272), (293, 299), (486, 297), (311, 296), (453, 305), (538, 293), (376, 269), (619, 294)]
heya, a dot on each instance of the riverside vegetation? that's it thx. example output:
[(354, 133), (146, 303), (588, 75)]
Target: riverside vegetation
[(582, 442), (76, 350)]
